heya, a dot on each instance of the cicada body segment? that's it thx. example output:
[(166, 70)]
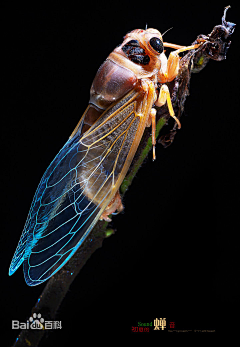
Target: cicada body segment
[(111, 83)]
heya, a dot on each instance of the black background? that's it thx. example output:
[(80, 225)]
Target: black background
[(174, 253)]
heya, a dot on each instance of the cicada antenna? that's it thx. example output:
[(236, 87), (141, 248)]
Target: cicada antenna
[(167, 31)]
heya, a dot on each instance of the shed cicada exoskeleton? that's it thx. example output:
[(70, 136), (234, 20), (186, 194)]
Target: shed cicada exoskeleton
[(81, 185)]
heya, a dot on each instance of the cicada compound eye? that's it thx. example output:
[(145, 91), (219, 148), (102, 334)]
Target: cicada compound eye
[(156, 44)]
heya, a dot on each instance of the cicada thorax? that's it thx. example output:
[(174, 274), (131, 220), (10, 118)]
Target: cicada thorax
[(110, 84)]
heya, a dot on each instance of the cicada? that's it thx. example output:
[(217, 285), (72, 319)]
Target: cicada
[(81, 185)]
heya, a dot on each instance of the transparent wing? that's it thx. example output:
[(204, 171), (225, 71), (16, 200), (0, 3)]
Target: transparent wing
[(75, 189)]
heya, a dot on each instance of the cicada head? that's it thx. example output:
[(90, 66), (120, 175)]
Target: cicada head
[(143, 48)]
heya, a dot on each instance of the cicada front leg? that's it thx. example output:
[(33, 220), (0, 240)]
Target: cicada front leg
[(169, 70), (173, 61)]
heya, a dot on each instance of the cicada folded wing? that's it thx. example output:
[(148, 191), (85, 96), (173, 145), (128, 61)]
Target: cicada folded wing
[(75, 189)]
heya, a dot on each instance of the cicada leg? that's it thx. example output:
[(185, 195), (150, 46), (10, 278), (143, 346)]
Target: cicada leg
[(115, 205), (152, 122), (173, 64), (164, 96), (173, 61), (171, 71), (172, 45)]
